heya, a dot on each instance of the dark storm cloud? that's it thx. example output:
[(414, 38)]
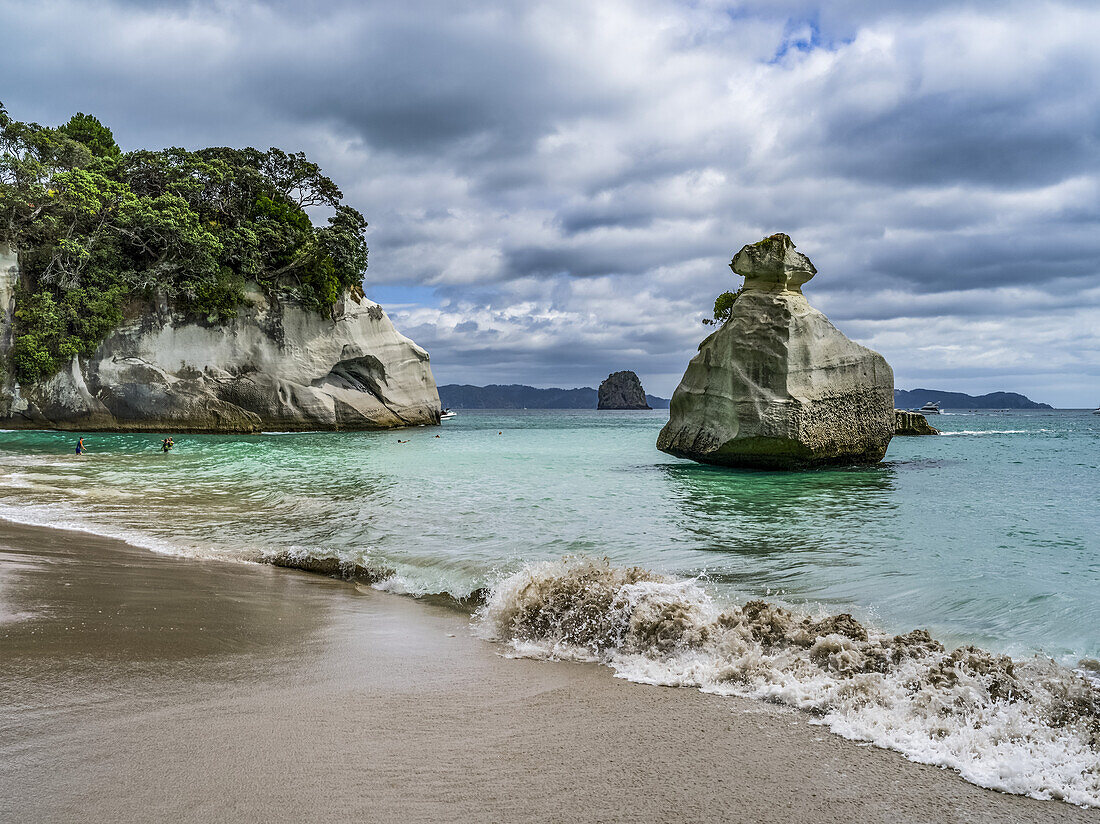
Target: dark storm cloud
[(965, 262), (578, 221), (956, 137), (591, 260), (462, 83), (572, 178)]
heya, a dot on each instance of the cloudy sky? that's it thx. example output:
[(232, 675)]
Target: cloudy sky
[(555, 188)]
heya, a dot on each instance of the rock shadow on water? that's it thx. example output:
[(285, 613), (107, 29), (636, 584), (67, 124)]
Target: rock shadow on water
[(921, 463), (710, 491), (770, 528)]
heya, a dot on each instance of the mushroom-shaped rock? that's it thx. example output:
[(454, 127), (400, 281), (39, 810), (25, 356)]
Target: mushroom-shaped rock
[(773, 265), (778, 386)]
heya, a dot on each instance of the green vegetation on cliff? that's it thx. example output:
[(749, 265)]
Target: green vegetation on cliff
[(96, 227), (723, 307)]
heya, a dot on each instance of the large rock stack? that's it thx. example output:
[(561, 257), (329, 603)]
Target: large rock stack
[(778, 386)]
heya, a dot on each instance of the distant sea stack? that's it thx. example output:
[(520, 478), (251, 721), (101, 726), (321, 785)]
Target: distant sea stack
[(518, 396), (622, 390), (778, 386), (912, 423)]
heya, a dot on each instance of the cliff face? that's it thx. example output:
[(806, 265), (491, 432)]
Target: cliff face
[(778, 386), (275, 367), (621, 390)]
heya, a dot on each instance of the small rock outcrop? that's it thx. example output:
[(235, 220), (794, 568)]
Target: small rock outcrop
[(912, 423), (276, 366), (778, 386), (621, 390)]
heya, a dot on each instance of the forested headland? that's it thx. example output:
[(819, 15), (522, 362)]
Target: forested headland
[(96, 228)]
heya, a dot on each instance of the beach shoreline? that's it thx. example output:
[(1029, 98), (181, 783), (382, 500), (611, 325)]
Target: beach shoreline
[(144, 686)]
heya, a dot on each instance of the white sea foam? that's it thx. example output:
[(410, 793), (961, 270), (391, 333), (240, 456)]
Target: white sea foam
[(17, 480), (995, 432), (426, 583), (54, 517), (399, 585), (1028, 726)]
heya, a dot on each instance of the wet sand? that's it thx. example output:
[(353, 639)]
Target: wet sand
[(142, 687)]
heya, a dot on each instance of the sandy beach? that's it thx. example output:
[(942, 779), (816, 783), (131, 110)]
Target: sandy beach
[(143, 687)]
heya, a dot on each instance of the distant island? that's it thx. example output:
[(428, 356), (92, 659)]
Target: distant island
[(517, 396), (913, 398)]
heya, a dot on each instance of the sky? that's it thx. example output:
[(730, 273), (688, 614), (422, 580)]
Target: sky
[(555, 189)]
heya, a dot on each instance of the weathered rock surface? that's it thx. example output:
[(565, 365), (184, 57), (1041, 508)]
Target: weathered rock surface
[(621, 390), (276, 367), (778, 386), (912, 423)]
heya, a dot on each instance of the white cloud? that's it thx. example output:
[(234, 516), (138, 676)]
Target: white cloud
[(572, 178)]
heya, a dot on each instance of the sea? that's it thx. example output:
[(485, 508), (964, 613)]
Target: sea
[(581, 541)]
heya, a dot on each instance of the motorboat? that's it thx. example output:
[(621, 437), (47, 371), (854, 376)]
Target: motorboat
[(930, 408), (446, 413)]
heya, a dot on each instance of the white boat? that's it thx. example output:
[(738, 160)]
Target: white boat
[(446, 413), (930, 408), (1096, 411)]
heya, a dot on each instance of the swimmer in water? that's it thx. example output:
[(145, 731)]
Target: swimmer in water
[(80, 449)]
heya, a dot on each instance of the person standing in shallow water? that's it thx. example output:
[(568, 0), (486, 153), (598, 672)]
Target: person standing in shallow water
[(80, 449), (167, 444)]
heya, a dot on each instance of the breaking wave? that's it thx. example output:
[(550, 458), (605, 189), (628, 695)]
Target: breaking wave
[(1028, 726), (995, 432)]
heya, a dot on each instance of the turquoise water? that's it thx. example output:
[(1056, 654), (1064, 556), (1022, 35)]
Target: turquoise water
[(988, 535)]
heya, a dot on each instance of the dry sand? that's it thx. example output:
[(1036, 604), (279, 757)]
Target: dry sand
[(139, 687)]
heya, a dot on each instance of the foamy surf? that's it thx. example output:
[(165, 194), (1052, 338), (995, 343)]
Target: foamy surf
[(1029, 726), (53, 517), (994, 432)]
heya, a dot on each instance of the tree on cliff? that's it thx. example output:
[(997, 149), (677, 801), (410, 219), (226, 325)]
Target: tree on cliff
[(723, 308), (96, 228)]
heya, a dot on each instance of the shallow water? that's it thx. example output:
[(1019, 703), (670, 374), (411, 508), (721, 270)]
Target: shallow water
[(985, 537), (988, 536)]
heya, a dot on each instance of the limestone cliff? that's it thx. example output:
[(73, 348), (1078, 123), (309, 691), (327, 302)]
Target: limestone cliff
[(276, 366), (621, 390), (778, 386)]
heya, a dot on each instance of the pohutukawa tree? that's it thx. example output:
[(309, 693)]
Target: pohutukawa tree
[(96, 227)]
